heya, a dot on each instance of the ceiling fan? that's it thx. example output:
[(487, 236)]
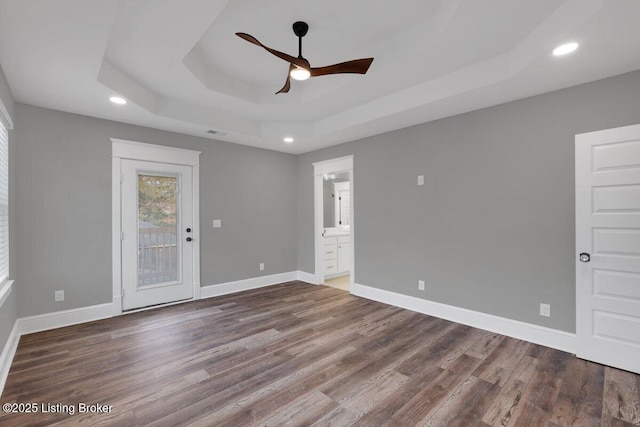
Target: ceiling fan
[(300, 69)]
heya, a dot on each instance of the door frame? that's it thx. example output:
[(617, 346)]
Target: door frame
[(132, 150), (338, 165)]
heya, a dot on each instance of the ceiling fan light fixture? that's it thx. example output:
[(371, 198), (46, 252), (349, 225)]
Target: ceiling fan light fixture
[(299, 73)]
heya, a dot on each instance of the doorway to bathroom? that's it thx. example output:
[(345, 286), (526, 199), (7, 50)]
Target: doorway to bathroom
[(334, 242)]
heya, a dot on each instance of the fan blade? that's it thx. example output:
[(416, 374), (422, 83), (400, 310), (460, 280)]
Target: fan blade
[(287, 84), (300, 62), (357, 66)]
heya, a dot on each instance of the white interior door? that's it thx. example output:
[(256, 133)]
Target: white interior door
[(157, 230), (608, 239)]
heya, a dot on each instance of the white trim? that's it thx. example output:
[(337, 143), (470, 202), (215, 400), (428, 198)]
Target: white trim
[(195, 184), (338, 165), (134, 150), (624, 133), (6, 358), (154, 153), (318, 226), (303, 276), (247, 284), (60, 319), (45, 322), (116, 227), (548, 337), (5, 290)]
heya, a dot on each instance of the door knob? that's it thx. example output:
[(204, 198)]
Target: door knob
[(188, 230), (189, 239), (585, 257)]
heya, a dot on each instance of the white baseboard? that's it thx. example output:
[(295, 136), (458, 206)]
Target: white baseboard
[(8, 352), (59, 319), (247, 284), (44, 322), (303, 276), (548, 337)]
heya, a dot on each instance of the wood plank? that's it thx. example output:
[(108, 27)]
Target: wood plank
[(302, 412), (500, 363), (622, 395), (465, 405), (580, 400), (537, 402), (510, 395), (298, 354), (430, 398)]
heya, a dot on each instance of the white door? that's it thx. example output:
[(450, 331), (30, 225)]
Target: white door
[(608, 239), (157, 225)]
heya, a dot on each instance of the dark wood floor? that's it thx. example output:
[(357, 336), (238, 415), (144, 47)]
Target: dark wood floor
[(297, 354)]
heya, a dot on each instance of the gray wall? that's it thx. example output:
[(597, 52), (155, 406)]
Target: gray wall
[(63, 168), (492, 229), (8, 308)]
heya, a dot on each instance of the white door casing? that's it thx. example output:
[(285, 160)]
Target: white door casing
[(167, 162), (342, 164), (608, 234)]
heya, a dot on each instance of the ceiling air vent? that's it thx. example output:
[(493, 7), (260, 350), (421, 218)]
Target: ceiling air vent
[(216, 132)]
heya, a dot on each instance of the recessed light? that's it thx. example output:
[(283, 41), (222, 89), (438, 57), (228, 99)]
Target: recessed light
[(288, 140), (118, 100), (565, 49)]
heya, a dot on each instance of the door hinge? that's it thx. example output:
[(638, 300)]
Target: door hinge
[(122, 293), (122, 235)]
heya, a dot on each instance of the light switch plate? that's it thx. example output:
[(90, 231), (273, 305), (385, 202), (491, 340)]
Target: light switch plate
[(421, 285), (420, 179), (58, 296), (217, 223), (261, 266)]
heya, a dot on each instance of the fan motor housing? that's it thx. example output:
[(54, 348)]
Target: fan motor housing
[(300, 28)]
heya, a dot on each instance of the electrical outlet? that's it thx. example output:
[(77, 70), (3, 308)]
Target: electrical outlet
[(420, 179), (58, 296), (217, 223), (261, 266), (545, 310), (421, 285)]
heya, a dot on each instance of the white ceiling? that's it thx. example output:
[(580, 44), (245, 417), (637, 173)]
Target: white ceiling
[(182, 68)]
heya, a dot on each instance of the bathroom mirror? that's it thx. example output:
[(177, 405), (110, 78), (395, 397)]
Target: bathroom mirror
[(336, 200)]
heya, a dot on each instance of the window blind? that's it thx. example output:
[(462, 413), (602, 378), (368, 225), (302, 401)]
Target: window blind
[(4, 203)]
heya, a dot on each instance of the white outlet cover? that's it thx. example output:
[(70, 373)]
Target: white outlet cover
[(217, 223), (261, 266), (420, 179), (421, 285), (545, 310), (58, 296)]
